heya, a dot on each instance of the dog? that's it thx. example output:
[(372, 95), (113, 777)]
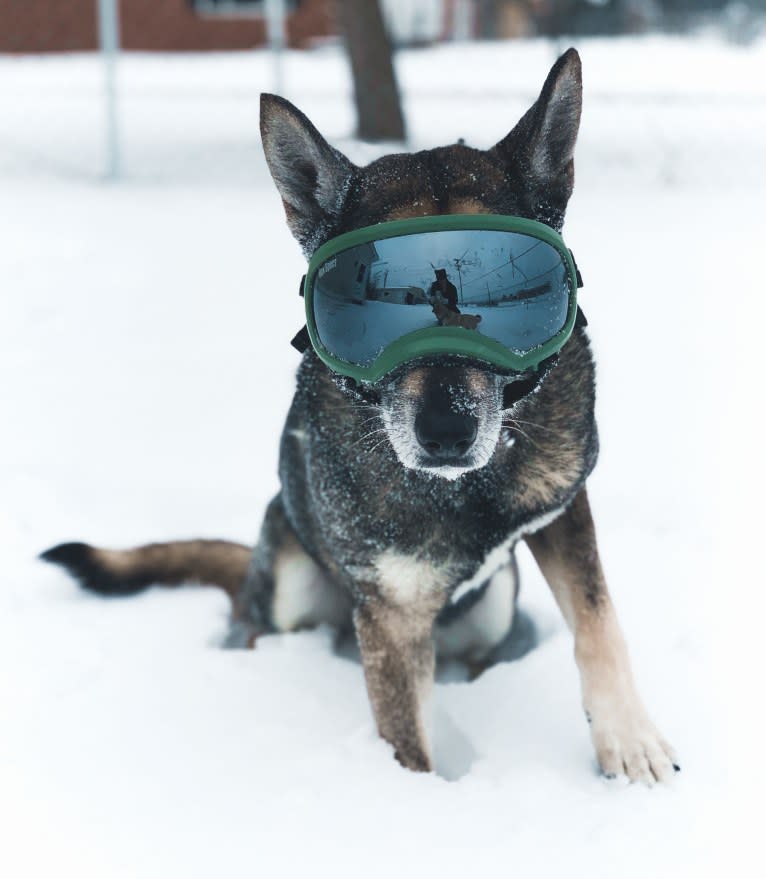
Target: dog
[(449, 318), (412, 543)]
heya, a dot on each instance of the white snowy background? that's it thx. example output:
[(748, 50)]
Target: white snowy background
[(145, 371)]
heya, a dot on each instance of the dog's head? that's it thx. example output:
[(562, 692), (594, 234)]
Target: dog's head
[(439, 309), (441, 415)]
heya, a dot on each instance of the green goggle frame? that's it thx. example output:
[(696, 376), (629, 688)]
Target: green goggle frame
[(441, 340)]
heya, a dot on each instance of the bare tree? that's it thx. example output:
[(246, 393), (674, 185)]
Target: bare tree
[(378, 106)]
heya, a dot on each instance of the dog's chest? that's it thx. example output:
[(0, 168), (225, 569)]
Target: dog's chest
[(452, 568), (499, 555), (365, 512)]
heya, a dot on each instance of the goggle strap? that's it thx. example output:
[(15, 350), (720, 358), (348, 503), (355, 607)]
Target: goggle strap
[(580, 320), (577, 271), (301, 341)]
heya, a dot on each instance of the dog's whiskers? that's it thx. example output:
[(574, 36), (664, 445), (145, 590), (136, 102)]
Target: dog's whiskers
[(378, 444), (536, 426), (367, 435), (368, 420), (512, 426)]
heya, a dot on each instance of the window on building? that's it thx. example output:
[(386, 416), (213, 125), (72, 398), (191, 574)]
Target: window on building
[(236, 7), (227, 7)]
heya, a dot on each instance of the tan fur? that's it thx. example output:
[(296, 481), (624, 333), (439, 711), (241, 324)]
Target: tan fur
[(624, 737), (423, 208), (394, 630), (406, 579), (413, 383), (559, 459), (477, 381), (217, 562), (540, 486), (468, 206), (399, 661), (303, 596), (448, 318)]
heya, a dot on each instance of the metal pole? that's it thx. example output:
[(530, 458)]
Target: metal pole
[(276, 13), (109, 33), (460, 278), (461, 28)]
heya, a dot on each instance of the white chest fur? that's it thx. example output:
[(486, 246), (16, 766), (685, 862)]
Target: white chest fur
[(497, 557), (405, 579)]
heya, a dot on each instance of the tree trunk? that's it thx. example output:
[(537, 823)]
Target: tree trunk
[(378, 107)]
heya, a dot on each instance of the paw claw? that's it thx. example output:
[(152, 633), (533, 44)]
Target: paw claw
[(627, 744)]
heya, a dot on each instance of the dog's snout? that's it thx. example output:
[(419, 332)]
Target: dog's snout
[(443, 418), (445, 435)]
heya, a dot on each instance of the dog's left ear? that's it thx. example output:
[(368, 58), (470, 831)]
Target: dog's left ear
[(541, 146), (312, 177)]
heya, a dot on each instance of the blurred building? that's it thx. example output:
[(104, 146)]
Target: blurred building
[(157, 25), (187, 25)]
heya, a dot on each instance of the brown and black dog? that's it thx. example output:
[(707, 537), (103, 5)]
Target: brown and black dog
[(449, 318), (411, 540)]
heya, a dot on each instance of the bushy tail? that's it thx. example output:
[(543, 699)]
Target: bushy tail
[(126, 571)]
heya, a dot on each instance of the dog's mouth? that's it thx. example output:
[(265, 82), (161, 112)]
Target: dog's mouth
[(449, 469)]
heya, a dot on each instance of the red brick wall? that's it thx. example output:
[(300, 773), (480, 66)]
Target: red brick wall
[(149, 25), (47, 25), (173, 24)]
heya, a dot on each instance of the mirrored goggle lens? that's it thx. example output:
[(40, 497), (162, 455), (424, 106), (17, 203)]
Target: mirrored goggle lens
[(507, 286)]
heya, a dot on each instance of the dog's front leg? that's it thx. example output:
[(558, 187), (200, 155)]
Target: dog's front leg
[(625, 739), (398, 658)]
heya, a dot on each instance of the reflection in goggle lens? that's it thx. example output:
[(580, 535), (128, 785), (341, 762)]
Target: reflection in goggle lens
[(508, 286)]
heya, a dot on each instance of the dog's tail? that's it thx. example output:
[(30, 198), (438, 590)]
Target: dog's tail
[(127, 571)]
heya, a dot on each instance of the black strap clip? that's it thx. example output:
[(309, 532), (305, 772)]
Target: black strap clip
[(301, 340), (580, 320), (577, 271)]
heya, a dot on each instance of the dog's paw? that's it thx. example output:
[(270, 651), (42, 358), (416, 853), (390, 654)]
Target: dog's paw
[(628, 744), (414, 758)]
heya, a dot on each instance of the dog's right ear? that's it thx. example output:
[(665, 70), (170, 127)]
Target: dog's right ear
[(312, 177), (541, 146)]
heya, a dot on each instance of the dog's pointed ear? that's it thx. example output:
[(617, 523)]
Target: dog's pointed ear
[(312, 177), (542, 143)]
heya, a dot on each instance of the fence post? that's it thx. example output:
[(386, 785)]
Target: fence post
[(276, 25), (109, 35)]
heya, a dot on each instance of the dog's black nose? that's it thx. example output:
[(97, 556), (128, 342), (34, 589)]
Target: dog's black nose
[(445, 434)]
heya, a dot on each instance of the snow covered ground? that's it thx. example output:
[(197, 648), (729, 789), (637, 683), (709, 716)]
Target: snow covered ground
[(144, 373)]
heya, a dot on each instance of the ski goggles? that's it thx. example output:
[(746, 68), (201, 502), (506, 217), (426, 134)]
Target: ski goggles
[(499, 289)]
